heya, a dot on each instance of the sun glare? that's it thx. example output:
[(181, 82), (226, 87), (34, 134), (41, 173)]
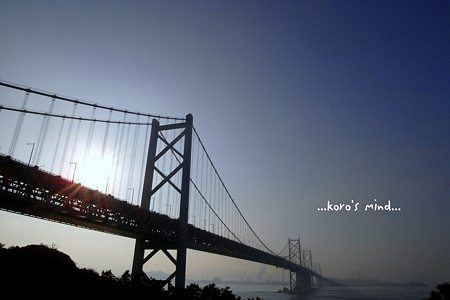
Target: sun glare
[(94, 172)]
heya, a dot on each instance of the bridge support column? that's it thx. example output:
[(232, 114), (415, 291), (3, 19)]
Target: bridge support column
[(148, 191), (303, 283), (138, 259), (318, 282)]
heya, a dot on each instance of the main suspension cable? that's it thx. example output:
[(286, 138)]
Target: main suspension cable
[(234, 203), (63, 98)]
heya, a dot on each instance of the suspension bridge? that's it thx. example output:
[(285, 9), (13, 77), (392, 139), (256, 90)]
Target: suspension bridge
[(143, 176)]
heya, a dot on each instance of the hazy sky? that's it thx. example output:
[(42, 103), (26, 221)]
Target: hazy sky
[(297, 102)]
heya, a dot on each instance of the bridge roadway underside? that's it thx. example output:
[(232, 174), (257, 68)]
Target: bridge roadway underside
[(32, 192)]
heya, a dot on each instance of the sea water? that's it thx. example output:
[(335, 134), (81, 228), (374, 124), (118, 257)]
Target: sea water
[(269, 292)]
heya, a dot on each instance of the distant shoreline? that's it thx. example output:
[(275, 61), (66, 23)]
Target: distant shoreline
[(339, 282), (205, 281)]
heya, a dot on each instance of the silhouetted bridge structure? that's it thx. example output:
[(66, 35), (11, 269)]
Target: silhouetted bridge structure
[(168, 178)]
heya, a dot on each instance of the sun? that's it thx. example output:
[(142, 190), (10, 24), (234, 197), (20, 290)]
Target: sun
[(93, 172)]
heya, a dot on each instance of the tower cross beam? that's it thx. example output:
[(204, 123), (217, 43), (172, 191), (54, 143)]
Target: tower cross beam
[(166, 179), (170, 146)]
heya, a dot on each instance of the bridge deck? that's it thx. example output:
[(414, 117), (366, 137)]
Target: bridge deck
[(27, 190)]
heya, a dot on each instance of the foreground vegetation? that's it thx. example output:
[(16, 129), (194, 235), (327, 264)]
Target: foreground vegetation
[(36, 271), (442, 293)]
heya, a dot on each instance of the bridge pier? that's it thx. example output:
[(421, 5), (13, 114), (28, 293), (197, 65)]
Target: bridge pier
[(303, 283), (138, 259), (318, 282), (148, 191)]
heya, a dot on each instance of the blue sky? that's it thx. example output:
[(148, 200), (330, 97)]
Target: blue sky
[(297, 102)]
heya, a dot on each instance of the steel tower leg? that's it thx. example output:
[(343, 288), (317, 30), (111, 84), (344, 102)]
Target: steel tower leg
[(139, 248), (184, 207), (148, 190)]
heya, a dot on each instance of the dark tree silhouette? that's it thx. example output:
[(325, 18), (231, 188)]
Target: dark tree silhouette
[(443, 292), (41, 271), (125, 278), (108, 274)]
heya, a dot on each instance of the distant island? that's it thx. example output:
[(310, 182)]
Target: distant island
[(373, 282), (218, 280), (416, 284)]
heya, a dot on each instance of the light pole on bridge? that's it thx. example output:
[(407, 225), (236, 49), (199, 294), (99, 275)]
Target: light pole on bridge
[(107, 185), (29, 161), (74, 170)]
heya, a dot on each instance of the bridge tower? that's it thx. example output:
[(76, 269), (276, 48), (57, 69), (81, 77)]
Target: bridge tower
[(317, 269), (300, 281), (307, 259), (308, 263), (295, 257), (148, 191)]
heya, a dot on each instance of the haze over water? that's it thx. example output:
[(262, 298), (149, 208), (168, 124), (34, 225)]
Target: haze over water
[(336, 293)]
